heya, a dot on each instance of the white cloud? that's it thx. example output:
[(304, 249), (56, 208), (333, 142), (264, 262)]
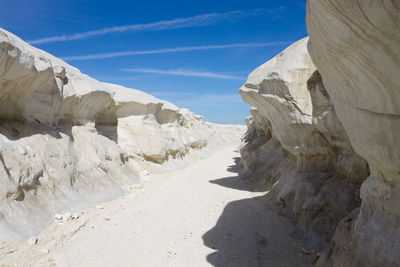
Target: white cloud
[(170, 50), (196, 21), (191, 73)]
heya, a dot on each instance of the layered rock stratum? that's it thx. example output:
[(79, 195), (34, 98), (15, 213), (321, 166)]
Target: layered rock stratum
[(324, 133), (68, 141)]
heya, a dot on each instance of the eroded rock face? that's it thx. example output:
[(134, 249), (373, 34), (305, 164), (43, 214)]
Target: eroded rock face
[(296, 146), (356, 48), (67, 140)]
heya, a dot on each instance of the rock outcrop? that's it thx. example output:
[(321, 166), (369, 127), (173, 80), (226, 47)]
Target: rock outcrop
[(356, 48), (67, 140), (297, 148), (325, 131)]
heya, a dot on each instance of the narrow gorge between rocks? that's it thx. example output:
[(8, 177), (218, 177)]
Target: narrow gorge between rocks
[(97, 174)]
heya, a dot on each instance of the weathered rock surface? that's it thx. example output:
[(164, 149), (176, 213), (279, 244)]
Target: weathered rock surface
[(356, 48), (67, 140), (297, 148), (325, 139)]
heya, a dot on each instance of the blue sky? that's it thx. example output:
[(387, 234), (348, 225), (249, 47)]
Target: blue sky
[(195, 54)]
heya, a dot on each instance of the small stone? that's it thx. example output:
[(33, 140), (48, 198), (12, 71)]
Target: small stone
[(99, 207), (58, 217), (67, 215), (32, 240), (75, 216), (171, 253), (107, 219), (137, 186)]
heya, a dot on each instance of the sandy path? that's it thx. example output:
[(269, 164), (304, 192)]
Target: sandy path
[(198, 216)]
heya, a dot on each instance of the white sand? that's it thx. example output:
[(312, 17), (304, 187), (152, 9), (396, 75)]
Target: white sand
[(199, 216)]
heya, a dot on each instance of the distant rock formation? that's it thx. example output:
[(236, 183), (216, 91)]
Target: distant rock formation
[(325, 138), (67, 140)]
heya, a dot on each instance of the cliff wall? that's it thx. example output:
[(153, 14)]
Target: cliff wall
[(68, 141)]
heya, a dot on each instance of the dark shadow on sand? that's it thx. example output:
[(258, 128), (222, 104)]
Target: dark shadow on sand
[(248, 232), (235, 236), (238, 181)]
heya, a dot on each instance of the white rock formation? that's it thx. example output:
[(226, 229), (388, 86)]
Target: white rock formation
[(356, 47), (296, 146), (67, 140)]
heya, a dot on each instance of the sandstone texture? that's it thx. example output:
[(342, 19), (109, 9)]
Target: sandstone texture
[(68, 141), (356, 48), (324, 133), (297, 148)]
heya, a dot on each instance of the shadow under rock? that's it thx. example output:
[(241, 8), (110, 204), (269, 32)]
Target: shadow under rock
[(15, 130), (239, 182), (250, 233)]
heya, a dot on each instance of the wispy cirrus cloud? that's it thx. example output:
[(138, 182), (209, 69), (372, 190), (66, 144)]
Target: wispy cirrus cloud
[(187, 72), (195, 21), (170, 50), (276, 13)]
